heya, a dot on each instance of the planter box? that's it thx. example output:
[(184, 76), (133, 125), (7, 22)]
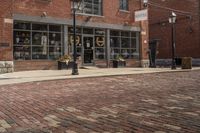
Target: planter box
[(186, 63), (117, 64), (63, 65)]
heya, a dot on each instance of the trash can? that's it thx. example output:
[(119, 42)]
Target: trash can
[(186, 63), (178, 61)]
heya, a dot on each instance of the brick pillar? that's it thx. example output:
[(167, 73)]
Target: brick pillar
[(6, 45), (108, 47), (65, 41), (6, 37), (144, 42)]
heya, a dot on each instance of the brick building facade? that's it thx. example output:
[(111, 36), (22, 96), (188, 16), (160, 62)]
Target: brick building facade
[(187, 28), (35, 33)]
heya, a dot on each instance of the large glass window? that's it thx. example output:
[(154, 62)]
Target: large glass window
[(78, 40), (125, 44), (99, 40), (123, 5), (99, 44), (91, 7), (37, 41)]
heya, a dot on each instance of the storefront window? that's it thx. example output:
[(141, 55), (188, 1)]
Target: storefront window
[(98, 45), (88, 31), (114, 53), (99, 32), (40, 27), (22, 25), (55, 43), (124, 43), (55, 28), (99, 53), (115, 42), (78, 40), (39, 45), (22, 41), (71, 30), (37, 41)]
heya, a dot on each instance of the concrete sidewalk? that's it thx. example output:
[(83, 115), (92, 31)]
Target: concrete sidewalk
[(42, 75)]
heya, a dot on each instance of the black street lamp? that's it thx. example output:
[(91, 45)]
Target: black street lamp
[(75, 65), (172, 20)]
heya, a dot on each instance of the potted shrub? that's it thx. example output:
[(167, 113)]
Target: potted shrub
[(64, 61), (119, 62)]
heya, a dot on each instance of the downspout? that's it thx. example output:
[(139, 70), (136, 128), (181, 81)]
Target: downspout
[(199, 25)]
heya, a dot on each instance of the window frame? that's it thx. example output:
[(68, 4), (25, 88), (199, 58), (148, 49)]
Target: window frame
[(132, 35), (122, 6), (93, 4), (47, 32)]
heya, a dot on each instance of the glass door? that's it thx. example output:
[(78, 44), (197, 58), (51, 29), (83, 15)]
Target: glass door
[(88, 42)]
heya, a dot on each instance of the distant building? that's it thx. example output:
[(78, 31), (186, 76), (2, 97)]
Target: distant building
[(35, 33), (187, 28)]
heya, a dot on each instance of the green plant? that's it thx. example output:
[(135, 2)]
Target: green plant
[(119, 58), (65, 58)]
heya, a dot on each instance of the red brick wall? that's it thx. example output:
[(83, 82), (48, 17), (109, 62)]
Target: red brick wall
[(187, 31), (5, 30), (34, 65), (62, 9)]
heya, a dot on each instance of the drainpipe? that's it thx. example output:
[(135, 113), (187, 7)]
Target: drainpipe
[(199, 25)]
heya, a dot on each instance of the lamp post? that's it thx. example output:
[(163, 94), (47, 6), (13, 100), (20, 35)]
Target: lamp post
[(75, 65), (172, 21)]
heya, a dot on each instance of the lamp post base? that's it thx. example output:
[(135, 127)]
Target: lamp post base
[(173, 64), (75, 69), (173, 67)]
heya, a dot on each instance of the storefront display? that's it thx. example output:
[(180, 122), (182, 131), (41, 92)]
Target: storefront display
[(124, 43), (33, 41), (90, 43), (37, 41)]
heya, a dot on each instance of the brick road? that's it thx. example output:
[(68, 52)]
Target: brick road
[(145, 103)]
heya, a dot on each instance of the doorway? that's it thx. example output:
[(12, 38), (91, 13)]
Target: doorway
[(88, 42)]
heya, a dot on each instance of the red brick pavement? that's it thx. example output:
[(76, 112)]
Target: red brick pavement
[(145, 103)]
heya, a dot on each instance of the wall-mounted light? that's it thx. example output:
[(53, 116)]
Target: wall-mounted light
[(145, 3), (44, 14), (126, 23), (172, 18)]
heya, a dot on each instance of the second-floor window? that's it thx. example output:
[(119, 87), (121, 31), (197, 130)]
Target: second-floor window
[(91, 7), (123, 5)]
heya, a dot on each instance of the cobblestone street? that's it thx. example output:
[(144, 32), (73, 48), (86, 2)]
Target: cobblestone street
[(143, 103)]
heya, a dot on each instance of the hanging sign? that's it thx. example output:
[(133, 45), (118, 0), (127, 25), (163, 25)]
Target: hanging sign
[(141, 15), (8, 20)]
